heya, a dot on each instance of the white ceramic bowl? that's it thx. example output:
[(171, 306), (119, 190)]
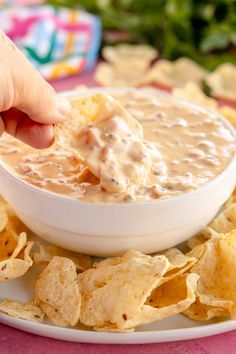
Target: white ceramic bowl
[(111, 229)]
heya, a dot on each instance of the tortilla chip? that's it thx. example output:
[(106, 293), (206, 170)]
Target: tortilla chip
[(234, 194), (87, 109), (231, 200), (201, 312), (177, 259), (57, 287), (216, 290), (222, 81), (175, 74), (14, 248), (114, 291), (202, 237), (107, 119), (21, 310), (19, 262), (127, 65), (10, 228), (13, 222), (52, 313), (128, 53), (192, 91), (179, 263), (46, 254), (225, 220), (229, 113), (109, 75), (3, 219), (171, 297), (8, 243)]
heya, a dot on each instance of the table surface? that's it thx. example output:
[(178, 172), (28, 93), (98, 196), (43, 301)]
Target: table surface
[(13, 341)]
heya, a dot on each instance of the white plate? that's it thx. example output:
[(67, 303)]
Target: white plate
[(175, 328)]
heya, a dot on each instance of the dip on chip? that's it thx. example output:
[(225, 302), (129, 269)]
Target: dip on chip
[(103, 155), (119, 293), (109, 140)]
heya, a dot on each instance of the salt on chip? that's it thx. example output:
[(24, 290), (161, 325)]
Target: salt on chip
[(19, 262), (225, 221), (57, 287), (115, 291), (24, 311), (222, 81), (175, 74), (46, 253), (192, 91), (216, 290)]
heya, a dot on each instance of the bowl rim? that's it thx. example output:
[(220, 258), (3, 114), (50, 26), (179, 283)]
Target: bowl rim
[(166, 201)]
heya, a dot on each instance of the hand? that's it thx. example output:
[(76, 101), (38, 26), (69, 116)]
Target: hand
[(28, 105)]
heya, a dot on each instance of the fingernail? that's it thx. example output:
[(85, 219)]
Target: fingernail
[(64, 107)]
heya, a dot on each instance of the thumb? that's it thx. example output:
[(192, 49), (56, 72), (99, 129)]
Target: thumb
[(24, 88)]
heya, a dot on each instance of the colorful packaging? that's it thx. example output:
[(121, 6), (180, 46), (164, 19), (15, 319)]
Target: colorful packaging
[(57, 41)]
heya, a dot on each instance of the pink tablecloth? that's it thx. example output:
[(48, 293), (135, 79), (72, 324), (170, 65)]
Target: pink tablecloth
[(13, 341)]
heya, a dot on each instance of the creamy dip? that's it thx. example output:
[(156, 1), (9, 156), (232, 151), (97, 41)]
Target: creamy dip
[(188, 146)]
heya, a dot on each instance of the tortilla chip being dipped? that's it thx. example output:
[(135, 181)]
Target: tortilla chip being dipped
[(110, 142)]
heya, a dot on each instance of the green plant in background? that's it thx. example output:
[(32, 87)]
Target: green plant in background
[(202, 30)]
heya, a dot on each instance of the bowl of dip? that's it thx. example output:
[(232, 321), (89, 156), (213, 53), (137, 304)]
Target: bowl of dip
[(193, 174)]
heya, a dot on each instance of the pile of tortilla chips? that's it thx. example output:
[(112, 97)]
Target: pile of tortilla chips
[(121, 293), (126, 65), (15, 258)]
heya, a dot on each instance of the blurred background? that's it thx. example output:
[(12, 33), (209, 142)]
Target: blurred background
[(193, 28), (65, 38)]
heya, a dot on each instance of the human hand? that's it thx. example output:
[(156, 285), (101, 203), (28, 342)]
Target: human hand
[(29, 106)]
